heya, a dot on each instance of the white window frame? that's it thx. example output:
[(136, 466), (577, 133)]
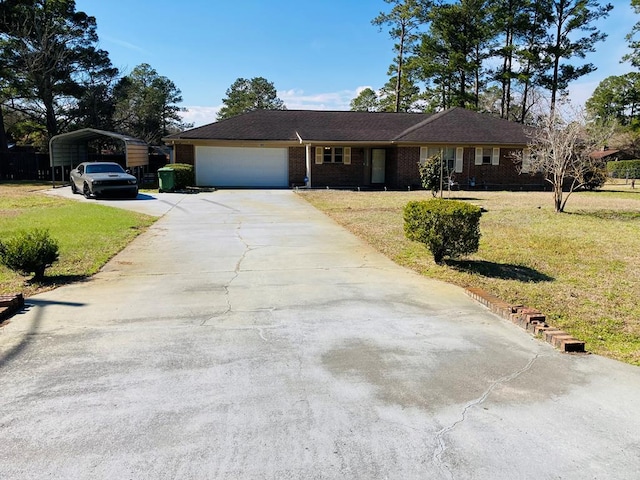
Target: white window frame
[(345, 154), (526, 161), (493, 156)]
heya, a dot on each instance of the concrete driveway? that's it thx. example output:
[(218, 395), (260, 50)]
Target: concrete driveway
[(247, 336)]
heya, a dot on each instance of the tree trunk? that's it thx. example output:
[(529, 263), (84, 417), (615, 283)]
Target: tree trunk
[(557, 197), (399, 76)]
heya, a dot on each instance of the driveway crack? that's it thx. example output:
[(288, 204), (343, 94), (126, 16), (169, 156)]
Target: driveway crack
[(441, 445)]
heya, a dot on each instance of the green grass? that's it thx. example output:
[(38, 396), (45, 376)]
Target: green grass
[(581, 268), (88, 234)]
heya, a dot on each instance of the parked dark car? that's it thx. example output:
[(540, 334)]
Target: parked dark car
[(94, 179)]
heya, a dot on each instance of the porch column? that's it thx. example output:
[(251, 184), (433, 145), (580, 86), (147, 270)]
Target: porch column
[(308, 164)]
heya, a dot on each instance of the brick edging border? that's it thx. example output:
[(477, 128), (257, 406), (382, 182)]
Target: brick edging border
[(529, 319), (9, 305)]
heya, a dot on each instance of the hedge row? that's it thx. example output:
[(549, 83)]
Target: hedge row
[(184, 175), (624, 169)]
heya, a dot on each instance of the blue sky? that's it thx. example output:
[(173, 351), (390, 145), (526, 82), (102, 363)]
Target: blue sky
[(318, 54)]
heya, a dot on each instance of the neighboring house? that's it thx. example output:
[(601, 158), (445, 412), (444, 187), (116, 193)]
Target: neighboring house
[(287, 148)]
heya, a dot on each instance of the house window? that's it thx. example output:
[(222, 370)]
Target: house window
[(333, 155), (448, 154), (487, 156)]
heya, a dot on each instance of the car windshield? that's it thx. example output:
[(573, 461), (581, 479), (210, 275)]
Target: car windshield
[(104, 168)]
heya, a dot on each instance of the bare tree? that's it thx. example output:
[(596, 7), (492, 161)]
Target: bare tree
[(562, 151)]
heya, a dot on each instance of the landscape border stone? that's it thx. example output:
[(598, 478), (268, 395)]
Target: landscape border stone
[(530, 319), (10, 305)]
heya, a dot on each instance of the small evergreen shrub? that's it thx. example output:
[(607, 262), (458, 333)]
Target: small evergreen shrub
[(184, 175), (430, 174), (448, 228), (29, 252)]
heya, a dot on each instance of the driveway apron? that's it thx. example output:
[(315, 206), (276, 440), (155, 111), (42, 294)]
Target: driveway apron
[(247, 336)]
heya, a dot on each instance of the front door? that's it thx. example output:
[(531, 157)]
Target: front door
[(378, 165)]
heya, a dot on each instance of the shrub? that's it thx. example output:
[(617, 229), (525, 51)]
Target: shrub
[(184, 175), (594, 178), (430, 174), (29, 252), (448, 228)]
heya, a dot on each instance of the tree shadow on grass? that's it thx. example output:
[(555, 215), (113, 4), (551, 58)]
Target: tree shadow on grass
[(502, 271), (621, 215)]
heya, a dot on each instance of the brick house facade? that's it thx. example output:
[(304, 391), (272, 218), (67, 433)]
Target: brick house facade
[(316, 149)]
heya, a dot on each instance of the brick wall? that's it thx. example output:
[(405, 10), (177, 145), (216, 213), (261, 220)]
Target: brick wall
[(338, 174), (493, 177), (407, 174), (185, 154), (297, 166)]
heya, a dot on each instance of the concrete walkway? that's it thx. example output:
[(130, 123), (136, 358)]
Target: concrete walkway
[(247, 336)]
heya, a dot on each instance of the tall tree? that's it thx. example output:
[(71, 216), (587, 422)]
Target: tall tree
[(407, 97), (96, 104), (47, 44), (146, 105), (530, 56), (404, 20), (634, 44), (366, 101), (520, 28), (568, 18), (616, 98), (452, 52), (246, 95)]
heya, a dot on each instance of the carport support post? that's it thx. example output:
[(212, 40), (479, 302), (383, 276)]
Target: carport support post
[(308, 163)]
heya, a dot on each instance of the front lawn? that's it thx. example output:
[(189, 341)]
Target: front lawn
[(581, 268), (88, 234)]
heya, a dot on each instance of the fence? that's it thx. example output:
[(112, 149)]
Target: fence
[(35, 166)]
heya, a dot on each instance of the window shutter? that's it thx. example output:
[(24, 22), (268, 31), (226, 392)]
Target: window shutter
[(478, 155), (346, 155), (319, 154), (459, 159), (424, 155), (526, 160), (495, 157)]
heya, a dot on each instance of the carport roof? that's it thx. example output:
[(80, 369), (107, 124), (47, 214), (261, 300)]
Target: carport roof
[(88, 134), (456, 125), (66, 148)]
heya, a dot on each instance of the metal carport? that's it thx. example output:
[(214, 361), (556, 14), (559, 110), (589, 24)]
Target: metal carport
[(71, 149)]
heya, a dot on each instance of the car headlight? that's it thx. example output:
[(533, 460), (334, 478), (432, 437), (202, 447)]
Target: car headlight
[(96, 182), (132, 182)]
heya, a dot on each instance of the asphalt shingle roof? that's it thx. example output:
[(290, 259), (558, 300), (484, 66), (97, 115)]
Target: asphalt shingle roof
[(456, 125)]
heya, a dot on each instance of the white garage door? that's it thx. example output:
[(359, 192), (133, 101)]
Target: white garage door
[(242, 167)]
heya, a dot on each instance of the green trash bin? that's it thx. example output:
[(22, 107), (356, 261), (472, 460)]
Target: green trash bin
[(166, 179)]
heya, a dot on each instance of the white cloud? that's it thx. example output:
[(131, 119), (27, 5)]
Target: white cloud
[(125, 44), (299, 100), (200, 115)]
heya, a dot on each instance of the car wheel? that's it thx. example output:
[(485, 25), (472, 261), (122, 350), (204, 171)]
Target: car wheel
[(86, 191), (74, 189)]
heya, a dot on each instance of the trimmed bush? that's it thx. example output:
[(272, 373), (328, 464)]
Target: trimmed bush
[(29, 252), (184, 175), (448, 228), (624, 169)]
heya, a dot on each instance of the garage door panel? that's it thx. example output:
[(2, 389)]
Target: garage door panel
[(242, 167)]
